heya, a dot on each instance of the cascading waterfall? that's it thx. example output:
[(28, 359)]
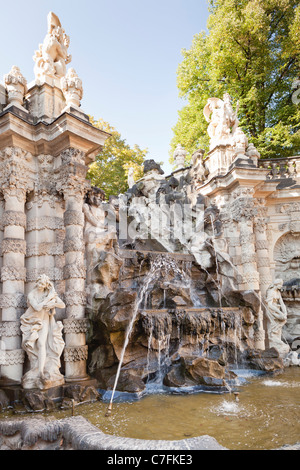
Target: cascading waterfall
[(154, 267), (158, 264)]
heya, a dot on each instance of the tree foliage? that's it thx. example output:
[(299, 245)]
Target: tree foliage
[(251, 50), (110, 169)]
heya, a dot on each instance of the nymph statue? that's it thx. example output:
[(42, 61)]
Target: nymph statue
[(42, 336), (277, 316)]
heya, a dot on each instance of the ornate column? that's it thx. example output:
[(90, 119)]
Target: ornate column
[(245, 210), (13, 276), (264, 270), (262, 248), (73, 185)]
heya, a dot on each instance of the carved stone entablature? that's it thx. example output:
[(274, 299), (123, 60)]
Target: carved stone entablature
[(10, 329), (73, 218), (44, 222), (13, 245), (74, 325), (13, 357), (74, 271), (13, 273), (12, 300), (75, 298), (76, 353), (44, 249)]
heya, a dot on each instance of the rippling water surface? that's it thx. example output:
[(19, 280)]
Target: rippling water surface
[(266, 416)]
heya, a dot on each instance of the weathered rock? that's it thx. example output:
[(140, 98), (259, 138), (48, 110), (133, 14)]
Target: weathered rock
[(37, 401), (268, 360), (175, 378), (127, 382), (80, 393), (109, 268), (198, 369)]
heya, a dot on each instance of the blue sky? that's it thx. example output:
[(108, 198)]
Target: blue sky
[(125, 52)]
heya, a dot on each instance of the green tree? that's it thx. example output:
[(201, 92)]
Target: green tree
[(251, 50), (110, 169)]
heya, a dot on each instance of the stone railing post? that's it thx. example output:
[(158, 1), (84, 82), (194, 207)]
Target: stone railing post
[(73, 186)]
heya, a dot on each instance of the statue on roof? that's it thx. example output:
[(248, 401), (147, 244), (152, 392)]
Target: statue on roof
[(222, 119), (52, 57)]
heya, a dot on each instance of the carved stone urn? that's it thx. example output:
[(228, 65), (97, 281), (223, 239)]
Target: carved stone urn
[(179, 157), (72, 89), (16, 87)]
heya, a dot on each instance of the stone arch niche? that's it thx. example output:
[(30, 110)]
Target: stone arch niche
[(287, 268)]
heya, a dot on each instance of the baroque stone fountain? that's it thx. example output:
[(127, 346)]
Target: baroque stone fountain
[(178, 282)]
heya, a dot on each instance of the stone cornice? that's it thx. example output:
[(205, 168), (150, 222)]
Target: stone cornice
[(18, 129), (236, 176)]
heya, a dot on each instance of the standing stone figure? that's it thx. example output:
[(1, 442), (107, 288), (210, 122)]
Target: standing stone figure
[(52, 57), (42, 336), (222, 120), (277, 316)]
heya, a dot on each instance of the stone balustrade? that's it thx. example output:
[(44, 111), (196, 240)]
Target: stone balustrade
[(281, 168)]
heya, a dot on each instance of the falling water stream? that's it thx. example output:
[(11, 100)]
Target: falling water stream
[(155, 266)]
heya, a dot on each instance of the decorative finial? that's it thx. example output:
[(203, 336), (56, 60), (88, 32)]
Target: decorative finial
[(179, 157), (72, 89), (16, 87)]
